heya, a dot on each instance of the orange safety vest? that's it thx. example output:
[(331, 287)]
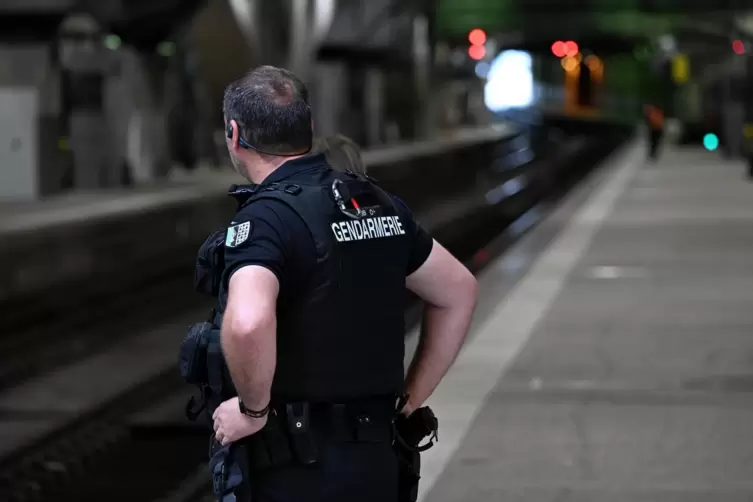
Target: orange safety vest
[(655, 117)]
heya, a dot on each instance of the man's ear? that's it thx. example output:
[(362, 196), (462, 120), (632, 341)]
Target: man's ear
[(233, 134)]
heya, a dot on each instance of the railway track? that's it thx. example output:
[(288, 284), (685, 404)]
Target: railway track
[(40, 344), (105, 455)]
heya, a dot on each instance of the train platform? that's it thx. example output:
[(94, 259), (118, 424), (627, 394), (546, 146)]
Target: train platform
[(611, 356), (74, 240), (181, 187)]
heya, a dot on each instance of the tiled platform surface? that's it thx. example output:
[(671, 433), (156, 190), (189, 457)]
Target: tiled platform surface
[(619, 365)]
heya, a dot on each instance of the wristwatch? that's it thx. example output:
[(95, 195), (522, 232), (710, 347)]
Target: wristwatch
[(253, 413)]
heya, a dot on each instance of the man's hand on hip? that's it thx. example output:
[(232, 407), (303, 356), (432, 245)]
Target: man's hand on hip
[(230, 424)]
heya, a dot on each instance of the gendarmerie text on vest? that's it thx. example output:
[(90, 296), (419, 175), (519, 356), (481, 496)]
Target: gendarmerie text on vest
[(367, 228)]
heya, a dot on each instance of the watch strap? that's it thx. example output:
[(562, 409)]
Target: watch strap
[(253, 413)]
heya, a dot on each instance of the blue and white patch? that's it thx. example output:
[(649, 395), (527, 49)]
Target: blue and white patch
[(238, 234)]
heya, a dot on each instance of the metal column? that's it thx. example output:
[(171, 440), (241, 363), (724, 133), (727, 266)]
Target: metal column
[(422, 74), (374, 97), (85, 60)]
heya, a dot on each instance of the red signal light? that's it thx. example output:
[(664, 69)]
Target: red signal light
[(476, 52), (571, 48), (477, 37), (559, 49), (738, 46)]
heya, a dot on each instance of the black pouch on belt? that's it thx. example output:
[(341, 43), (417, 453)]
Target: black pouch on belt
[(193, 353), (373, 424), (301, 433)]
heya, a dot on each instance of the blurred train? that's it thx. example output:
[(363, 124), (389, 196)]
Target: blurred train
[(529, 79)]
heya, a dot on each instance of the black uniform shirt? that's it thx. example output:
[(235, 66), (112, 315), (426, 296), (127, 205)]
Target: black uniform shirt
[(280, 241)]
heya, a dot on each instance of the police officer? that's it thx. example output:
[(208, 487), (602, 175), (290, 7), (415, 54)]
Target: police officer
[(316, 264)]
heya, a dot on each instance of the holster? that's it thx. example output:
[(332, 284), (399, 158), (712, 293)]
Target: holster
[(193, 353), (210, 263), (409, 474), (228, 465), (202, 363), (409, 433)]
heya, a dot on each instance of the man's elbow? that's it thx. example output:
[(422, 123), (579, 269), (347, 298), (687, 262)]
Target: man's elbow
[(461, 293), (467, 290), (244, 327)]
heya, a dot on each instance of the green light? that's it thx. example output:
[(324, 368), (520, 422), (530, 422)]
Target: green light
[(710, 142), (112, 42), (166, 49)]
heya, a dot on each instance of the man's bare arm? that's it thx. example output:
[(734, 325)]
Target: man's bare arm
[(249, 333), (449, 290)]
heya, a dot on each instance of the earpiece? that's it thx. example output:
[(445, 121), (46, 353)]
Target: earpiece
[(229, 131)]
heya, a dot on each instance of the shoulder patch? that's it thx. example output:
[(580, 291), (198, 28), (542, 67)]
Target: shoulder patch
[(238, 234)]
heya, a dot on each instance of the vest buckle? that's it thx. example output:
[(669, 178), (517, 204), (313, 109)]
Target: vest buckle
[(292, 189)]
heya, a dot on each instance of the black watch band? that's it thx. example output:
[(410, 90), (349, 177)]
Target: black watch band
[(253, 413)]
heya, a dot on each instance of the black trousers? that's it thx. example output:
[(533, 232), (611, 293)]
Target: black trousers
[(345, 472), (352, 446), (655, 136)]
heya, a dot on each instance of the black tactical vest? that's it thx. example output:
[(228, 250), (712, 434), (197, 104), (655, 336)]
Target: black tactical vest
[(342, 337)]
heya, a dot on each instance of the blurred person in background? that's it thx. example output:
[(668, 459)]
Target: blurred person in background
[(341, 152), (654, 117), (316, 263)]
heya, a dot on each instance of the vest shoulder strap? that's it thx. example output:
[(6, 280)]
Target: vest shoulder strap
[(301, 198), (264, 192)]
